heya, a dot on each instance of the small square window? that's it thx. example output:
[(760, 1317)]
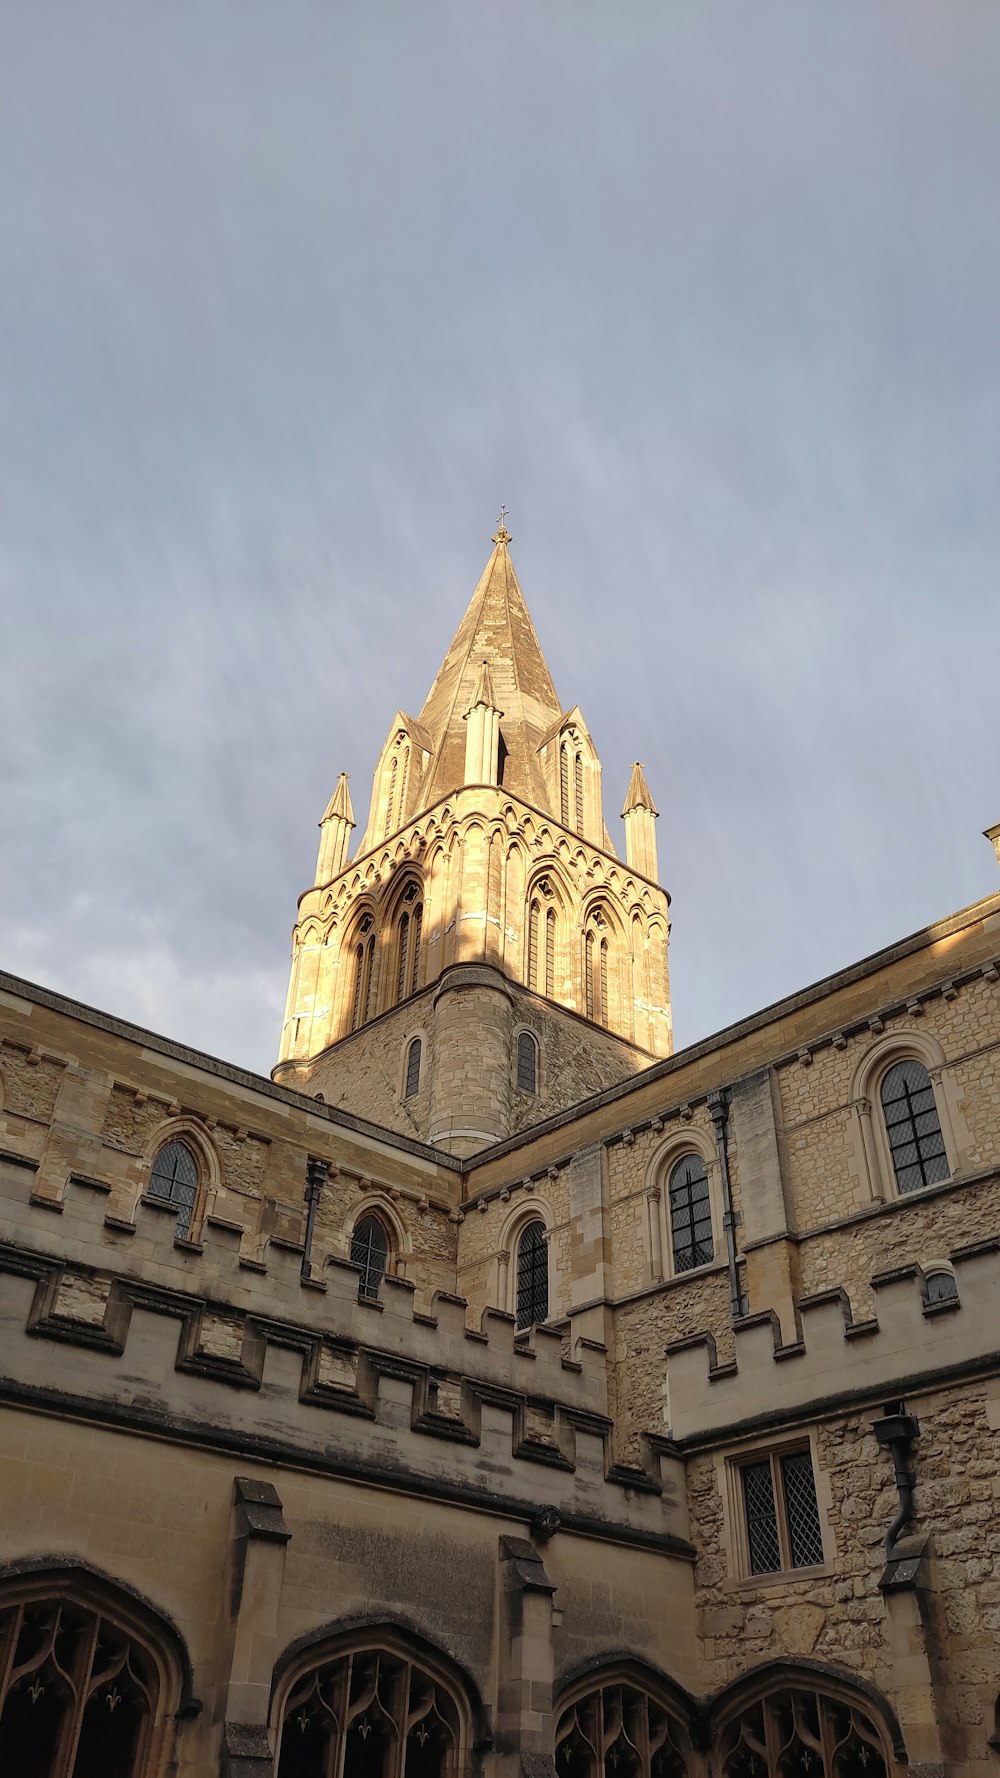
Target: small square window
[(780, 1512)]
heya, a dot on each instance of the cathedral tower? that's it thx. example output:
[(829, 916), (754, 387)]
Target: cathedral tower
[(485, 958)]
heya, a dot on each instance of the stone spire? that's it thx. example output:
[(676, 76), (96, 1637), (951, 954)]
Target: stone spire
[(639, 814), (335, 833), (496, 632)]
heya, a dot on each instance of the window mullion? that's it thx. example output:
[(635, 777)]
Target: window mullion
[(781, 1510), (69, 1740)]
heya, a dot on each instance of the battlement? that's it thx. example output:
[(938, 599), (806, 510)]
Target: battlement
[(910, 1340), (193, 1340)]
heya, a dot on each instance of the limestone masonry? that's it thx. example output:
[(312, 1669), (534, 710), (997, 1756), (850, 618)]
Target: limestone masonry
[(494, 1391)]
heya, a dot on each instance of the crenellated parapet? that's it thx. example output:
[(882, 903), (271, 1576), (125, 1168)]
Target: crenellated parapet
[(308, 1371), (928, 1326)]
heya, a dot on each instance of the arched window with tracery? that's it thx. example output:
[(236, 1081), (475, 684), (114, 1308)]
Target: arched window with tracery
[(800, 1733), (532, 1274), (78, 1693), (597, 969), (619, 1730), (550, 953), (912, 1125), (578, 792), (564, 784), (173, 1178), (370, 1251), (371, 1713)]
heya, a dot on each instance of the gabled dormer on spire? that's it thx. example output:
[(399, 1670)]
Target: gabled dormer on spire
[(482, 732), (639, 816)]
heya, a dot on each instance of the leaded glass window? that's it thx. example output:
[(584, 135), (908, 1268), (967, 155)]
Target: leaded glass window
[(532, 1275), (802, 1734), (174, 1178), (527, 1063), (781, 1513), (913, 1127), (691, 1239), (370, 1251), (370, 1714), (77, 1694)]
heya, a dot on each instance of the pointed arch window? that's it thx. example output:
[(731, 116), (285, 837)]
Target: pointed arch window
[(619, 1729), (370, 1251), (412, 1068), (173, 1178), (78, 1694), (912, 1124), (534, 921), (588, 974), (550, 953), (408, 935), (532, 1274), (564, 784), (527, 1063), (364, 973), (390, 801), (795, 1732), (370, 1712), (578, 791)]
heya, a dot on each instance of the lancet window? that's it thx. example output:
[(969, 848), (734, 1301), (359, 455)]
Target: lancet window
[(78, 1695), (370, 1714), (691, 1240), (408, 936), (412, 1081), (802, 1734), (364, 973), (596, 970), (619, 1731), (527, 1063)]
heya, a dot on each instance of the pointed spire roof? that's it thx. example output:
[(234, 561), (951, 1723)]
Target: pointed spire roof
[(484, 693), (340, 802), (638, 793), (496, 631)]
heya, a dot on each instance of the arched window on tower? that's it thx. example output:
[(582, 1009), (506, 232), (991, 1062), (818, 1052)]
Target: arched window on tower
[(390, 801), (370, 1251), (364, 973), (532, 1274), (527, 1063), (408, 934), (564, 784), (578, 791), (550, 953), (588, 974), (173, 1178), (412, 1068), (534, 921)]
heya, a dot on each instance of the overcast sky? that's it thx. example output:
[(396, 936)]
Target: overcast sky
[(293, 295)]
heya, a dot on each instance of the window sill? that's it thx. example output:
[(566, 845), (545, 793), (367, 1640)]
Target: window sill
[(784, 1577)]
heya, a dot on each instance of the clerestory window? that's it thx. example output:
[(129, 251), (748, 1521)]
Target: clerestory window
[(532, 1275), (370, 1251), (691, 1241)]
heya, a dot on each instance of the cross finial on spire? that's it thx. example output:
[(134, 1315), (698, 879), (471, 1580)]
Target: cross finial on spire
[(502, 535)]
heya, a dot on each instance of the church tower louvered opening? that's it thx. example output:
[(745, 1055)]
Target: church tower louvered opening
[(485, 847)]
